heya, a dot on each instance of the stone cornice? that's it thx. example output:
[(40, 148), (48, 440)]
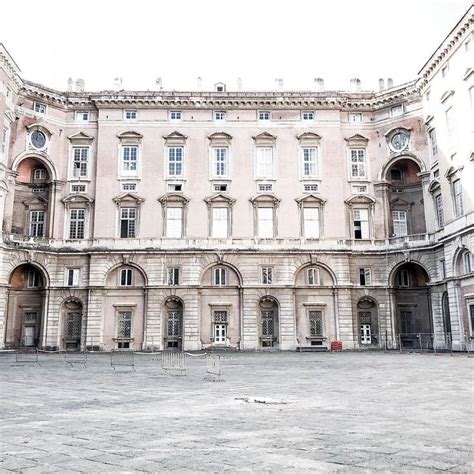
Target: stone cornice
[(8, 64), (457, 34)]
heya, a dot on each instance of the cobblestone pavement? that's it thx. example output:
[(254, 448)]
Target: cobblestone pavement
[(354, 412)]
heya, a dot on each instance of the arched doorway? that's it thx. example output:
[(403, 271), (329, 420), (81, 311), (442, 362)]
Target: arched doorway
[(367, 318), (25, 317), (72, 325), (269, 322), (173, 323), (31, 199), (407, 212), (413, 321)]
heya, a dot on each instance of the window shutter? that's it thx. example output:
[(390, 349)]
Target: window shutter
[(311, 222), (174, 222), (219, 222), (265, 222)]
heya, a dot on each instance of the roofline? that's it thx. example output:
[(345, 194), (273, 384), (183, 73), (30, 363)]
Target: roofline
[(9, 56), (437, 52)]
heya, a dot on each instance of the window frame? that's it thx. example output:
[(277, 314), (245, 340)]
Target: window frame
[(80, 159), (264, 116), (458, 198), (261, 168), (126, 277), (80, 113), (129, 173), (358, 164), (267, 275), (365, 276), (37, 223), (40, 107), (175, 115), (168, 162), (313, 276), (173, 276), (77, 232), (363, 236), (133, 115), (219, 276), (311, 163), (71, 277), (128, 219), (215, 172)]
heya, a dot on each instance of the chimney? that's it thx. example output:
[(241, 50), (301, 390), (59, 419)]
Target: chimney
[(239, 84), (79, 85), (381, 84), (389, 83), (159, 83), (279, 82), (117, 83), (319, 82), (69, 84), (199, 83), (355, 85)]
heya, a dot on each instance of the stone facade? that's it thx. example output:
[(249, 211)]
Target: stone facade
[(249, 220)]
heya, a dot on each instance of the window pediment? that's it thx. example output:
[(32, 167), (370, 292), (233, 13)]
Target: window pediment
[(394, 130), (446, 95), (130, 137), (221, 136), (400, 202), (308, 136), (310, 199), (357, 140), (78, 199), (80, 137), (128, 197), (452, 171), (173, 198), (264, 137), (434, 186), (359, 199), (219, 198), (37, 201), (264, 199), (175, 137)]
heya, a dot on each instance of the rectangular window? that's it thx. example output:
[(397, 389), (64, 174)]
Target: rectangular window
[(313, 276), (37, 223), (124, 329), (175, 188), (219, 115), (458, 198), (34, 279), (219, 276), (265, 222), (126, 275), (358, 164), (433, 143), (396, 110), (467, 262), (359, 189), (361, 223), (82, 116), (403, 278), (130, 187), (311, 222), (264, 162), (219, 222), (128, 222), (355, 117), (311, 188), (130, 160), (219, 187), (449, 114), (365, 276), (78, 188), (175, 115), (173, 276), (442, 269), (310, 162), (221, 162), (72, 277), (399, 223), (264, 116), (439, 210), (174, 222), (267, 275), (77, 221), (265, 187), (4, 146), (130, 115), (40, 108), (80, 162), (308, 115), (175, 161), (39, 174), (316, 323)]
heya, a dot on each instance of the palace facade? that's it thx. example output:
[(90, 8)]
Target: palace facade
[(247, 220)]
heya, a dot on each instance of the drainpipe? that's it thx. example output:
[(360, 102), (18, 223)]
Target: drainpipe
[(336, 311)]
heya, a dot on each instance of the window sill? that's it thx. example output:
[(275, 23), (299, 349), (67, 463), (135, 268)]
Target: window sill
[(129, 178)]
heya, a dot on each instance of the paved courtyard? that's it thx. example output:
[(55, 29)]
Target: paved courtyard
[(274, 412)]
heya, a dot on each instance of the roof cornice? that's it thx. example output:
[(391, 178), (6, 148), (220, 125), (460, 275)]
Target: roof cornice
[(452, 40), (10, 66)]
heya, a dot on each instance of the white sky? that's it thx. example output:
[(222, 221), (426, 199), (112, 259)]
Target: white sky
[(257, 40)]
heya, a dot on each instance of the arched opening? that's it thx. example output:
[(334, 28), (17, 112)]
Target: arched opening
[(446, 315), (72, 324), (413, 313), (220, 303), (405, 197), (367, 320), (31, 199), (173, 323), (269, 322), (25, 307)]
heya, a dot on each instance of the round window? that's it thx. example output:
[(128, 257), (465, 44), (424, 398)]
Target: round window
[(38, 139), (399, 141)]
